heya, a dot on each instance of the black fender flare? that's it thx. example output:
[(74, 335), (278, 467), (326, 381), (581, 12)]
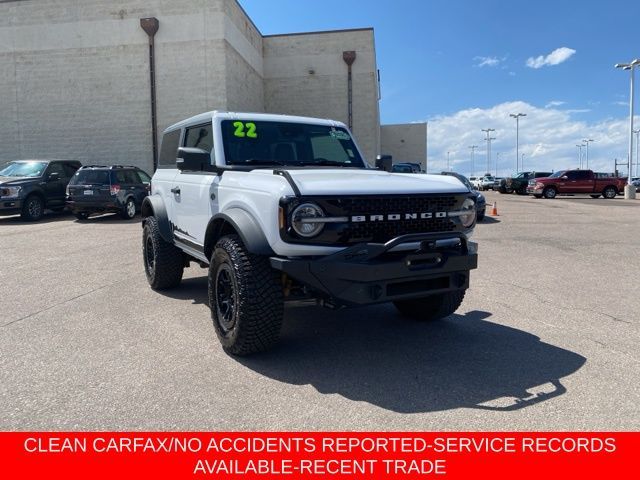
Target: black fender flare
[(244, 224), (153, 206)]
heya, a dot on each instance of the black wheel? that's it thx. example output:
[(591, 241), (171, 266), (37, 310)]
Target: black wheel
[(431, 308), (82, 215), (33, 208), (481, 215), (610, 192), (129, 210), (245, 296), (163, 261), (502, 190), (549, 192), (594, 196)]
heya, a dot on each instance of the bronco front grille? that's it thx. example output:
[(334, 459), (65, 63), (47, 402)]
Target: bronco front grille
[(381, 231)]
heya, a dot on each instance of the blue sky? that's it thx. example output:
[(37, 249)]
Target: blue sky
[(465, 65)]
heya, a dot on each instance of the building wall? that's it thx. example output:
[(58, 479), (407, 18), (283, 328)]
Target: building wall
[(74, 75), (305, 74), (406, 142)]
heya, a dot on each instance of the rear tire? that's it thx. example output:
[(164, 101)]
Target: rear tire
[(245, 296), (129, 210), (163, 261), (431, 308), (33, 208), (610, 192)]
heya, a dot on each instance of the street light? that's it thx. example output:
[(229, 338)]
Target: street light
[(637, 153), (629, 189), (522, 161), (473, 150), (580, 155), (517, 117), (587, 141), (448, 167), (488, 139), (497, 160)]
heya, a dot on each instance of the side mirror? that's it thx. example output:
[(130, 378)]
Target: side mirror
[(53, 176), (193, 159), (564, 177), (384, 162)]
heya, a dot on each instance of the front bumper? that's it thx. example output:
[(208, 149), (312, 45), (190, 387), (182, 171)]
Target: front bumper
[(370, 273), (10, 206)]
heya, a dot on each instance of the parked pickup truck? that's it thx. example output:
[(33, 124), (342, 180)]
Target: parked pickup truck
[(285, 209), (571, 182), (519, 182)]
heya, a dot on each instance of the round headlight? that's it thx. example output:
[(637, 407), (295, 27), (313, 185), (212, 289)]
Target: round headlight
[(469, 215), (302, 220)]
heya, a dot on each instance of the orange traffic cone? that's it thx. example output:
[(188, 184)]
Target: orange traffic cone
[(494, 209)]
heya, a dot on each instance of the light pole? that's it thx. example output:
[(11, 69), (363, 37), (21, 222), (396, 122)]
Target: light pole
[(586, 142), (629, 189), (497, 160), (448, 167), (637, 132), (580, 155), (522, 161), (488, 139), (517, 117), (473, 151)]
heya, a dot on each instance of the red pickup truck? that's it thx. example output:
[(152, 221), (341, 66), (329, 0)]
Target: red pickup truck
[(574, 182)]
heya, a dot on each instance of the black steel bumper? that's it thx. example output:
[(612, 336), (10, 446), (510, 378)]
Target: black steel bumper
[(373, 273)]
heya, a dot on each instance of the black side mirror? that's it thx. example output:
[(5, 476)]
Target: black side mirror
[(384, 162), (53, 176), (193, 159)]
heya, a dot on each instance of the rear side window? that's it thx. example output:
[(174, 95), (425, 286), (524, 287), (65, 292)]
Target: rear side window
[(144, 178), (126, 176), (169, 149), (199, 137), (90, 177)]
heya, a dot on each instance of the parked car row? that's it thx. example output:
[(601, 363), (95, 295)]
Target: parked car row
[(29, 187)]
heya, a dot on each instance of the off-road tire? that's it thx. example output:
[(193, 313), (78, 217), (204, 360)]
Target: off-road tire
[(610, 192), (81, 215), (128, 211), (163, 261), (431, 308), (550, 193), (32, 208), (245, 297), (522, 191)]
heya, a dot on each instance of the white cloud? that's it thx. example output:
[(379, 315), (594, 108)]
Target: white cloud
[(548, 138), (554, 103), (487, 61), (556, 57)]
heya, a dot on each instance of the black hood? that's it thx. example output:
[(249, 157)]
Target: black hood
[(18, 180)]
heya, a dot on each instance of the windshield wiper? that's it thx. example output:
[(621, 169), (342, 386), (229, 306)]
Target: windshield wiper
[(330, 163), (257, 161)]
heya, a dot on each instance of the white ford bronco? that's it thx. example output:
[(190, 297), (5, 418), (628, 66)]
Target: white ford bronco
[(284, 209)]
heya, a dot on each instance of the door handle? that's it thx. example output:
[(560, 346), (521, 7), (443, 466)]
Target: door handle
[(176, 190)]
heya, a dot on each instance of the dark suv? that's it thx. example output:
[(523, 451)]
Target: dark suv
[(28, 187), (101, 189)]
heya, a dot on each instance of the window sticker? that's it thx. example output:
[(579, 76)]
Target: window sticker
[(245, 129), (339, 134)]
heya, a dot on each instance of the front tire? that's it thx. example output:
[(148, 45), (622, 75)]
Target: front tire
[(431, 308), (163, 261), (549, 193), (33, 208), (610, 192), (245, 296)]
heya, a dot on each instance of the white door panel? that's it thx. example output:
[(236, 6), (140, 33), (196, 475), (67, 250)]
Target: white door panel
[(195, 203)]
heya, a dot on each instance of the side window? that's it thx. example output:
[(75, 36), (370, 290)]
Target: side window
[(584, 175), (69, 170), (199, 137), (120, 177), (131, 177), (572, 175), (57, 168), (144, 178), (169, 149)]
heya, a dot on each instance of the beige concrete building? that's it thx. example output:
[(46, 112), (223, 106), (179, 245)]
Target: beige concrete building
[(405, 142), (74, 75)]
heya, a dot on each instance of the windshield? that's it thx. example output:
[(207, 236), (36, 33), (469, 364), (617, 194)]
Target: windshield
[(289, 144), (522, 175), (23, 169), (557, 174)]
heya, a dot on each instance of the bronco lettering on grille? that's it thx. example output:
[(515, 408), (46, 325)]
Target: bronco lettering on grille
[(398, 216)]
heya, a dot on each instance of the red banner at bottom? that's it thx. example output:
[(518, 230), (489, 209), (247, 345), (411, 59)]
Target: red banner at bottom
[(295, 455)]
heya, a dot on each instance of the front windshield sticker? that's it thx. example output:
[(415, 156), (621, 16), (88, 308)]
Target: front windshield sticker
[(340, 134), (240, 129)]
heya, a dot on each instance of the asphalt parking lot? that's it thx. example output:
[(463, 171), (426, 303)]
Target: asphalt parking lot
[(547, 337)]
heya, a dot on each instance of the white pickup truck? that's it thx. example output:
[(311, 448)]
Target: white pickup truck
[(284, 209)]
